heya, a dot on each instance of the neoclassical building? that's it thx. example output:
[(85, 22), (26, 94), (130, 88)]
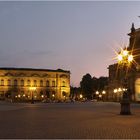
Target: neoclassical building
[(27, 83), (119, 76)]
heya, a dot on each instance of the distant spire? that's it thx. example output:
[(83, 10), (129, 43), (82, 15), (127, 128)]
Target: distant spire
[(132, 28)]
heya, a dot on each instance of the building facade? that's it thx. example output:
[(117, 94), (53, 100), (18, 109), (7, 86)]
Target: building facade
[(119, 77), (27, 83)]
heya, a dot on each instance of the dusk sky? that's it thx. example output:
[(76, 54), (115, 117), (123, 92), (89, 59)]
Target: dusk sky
[(75, 36)]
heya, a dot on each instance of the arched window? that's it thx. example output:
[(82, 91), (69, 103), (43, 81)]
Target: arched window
[(28, 83), (15, 82), (22, 82), (9, 82), (2, 82), (41, 83), (53, 83), (63, 84), (47, 83), (35, 83)]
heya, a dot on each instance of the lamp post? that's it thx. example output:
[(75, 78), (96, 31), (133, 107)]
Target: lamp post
[(32, 97), (125, 60), (104, 95), (81, 96), (97, 95)]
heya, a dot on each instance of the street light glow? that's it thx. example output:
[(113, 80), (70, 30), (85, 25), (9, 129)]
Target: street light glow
[(124, 57), (97, 92), (125, 53), (119, 89), (115, 90), (130, 58), (81, 96), (100, 96), (120, 57), (103, 92)]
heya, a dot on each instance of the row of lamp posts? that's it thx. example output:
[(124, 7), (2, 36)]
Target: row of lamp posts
[(100, 95)]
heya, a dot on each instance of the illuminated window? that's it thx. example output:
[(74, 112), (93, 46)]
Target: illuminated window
[(15, 82), (2, 82), (9, 82), (47, 83), (22, 82), (63, 84), (28, 83), (53, 83), (41, 83), (35, 83)]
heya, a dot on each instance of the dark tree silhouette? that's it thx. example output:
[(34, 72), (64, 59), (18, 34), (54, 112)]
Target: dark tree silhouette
[(90, 85), (102, 82), (87, 86)]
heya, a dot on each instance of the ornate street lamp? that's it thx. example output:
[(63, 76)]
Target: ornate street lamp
[(125, 58)]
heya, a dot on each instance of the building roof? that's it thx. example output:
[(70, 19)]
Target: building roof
[(136, 31), (33, 69)]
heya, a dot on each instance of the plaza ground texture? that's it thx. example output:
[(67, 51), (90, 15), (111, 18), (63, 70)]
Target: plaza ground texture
[(89, 120)]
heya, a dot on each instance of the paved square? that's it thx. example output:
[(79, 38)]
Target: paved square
[(68, 120)]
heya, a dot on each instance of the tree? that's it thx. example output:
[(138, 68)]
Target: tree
[(102, 82), (94, 86), (74, 92), (87, 86)]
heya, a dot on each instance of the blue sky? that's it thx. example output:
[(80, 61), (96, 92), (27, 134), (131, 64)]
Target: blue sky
[(76, 36)]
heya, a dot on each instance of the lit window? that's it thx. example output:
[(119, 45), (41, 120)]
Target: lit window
[(41, 83), (35, 83), (15, 82), (28, 83), (9, 82), (47, 83), (22, 82), (2, 82), (63, 84), (53, 83)]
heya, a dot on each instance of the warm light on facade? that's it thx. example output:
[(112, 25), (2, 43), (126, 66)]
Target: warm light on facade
[(53, 95), (32, 88), (32, 82)]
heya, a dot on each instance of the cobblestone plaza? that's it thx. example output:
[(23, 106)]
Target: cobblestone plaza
[(68, 120)]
